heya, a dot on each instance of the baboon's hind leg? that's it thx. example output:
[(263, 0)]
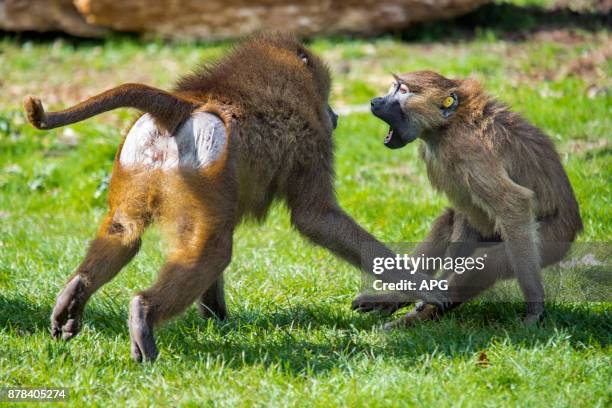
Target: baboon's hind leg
[(212, 302), (116, 243), (463, 287), (201, 232)]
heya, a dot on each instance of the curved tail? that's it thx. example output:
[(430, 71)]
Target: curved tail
[(167, 109)]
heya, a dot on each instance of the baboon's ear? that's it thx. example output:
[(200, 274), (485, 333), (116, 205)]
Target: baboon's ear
[(449, 104)]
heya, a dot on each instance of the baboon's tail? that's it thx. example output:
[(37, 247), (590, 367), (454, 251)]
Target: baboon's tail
[(167, 109)]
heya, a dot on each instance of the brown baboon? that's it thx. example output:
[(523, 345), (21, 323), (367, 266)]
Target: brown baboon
[(234, 136), (502, 176)]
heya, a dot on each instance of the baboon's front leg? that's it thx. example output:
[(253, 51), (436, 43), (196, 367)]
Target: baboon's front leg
[(315, 214), (435, 245), (112, 249), (332, 228)]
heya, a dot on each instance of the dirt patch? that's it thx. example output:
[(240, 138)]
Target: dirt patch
[(579, 147), (591, 66), (562, 36), (602, 6)]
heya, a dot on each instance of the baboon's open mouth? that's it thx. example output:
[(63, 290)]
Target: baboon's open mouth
[(399, 133), (393, 140), (389, 135)]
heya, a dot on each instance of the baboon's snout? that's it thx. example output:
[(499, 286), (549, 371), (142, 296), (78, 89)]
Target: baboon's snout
[(387, 109), (376, 104), (333, 116)]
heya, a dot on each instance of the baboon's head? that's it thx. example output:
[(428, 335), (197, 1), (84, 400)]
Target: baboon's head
[(306, 67), (417, 103), (320, 73)]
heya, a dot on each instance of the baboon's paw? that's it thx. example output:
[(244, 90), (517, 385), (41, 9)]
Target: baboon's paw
[(420, 313), (535, 312), (141, 333), (383, 303), (35, 112), (68, 310)]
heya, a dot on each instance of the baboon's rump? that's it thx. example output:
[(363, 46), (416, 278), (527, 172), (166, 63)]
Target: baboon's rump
[(196, 144)]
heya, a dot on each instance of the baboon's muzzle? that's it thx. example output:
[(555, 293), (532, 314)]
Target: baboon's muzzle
[(390, 111)]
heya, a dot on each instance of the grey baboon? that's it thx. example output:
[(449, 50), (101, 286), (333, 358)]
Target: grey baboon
[(502, 176)]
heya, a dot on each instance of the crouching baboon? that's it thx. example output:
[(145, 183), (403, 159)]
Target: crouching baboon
[(234, 136), (503, 178)]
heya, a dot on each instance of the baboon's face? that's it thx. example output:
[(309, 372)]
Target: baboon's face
[(416, 104)]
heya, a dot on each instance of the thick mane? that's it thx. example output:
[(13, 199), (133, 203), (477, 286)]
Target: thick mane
[(474, 103), (251, 67)]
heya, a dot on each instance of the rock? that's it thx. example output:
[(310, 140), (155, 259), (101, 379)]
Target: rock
[(45, 15), (218, 19)]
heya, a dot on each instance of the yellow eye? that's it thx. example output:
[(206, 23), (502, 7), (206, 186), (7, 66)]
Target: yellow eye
[(448, 102)]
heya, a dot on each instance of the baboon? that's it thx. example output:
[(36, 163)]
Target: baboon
[(503, 178), (232, 137)]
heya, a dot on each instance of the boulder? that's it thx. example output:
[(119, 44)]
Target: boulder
[(46, 15), (220, 19)]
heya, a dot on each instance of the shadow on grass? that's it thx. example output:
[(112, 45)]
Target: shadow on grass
[(461, 334), (28, 318), (318, 339)]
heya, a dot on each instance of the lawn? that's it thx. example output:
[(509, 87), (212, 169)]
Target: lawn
[(291, 338)]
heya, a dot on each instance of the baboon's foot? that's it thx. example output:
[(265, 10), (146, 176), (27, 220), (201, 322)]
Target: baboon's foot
[(141, 333), (35, 112), (383, 303), (212, 310), (421, 312), (68, 310), (535, 311)]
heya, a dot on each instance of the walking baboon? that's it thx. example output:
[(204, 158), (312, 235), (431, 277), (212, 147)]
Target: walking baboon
[(234, 136), (502, 176)]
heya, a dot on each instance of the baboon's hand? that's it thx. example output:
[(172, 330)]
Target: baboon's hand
[(383, 303), (35, 112), (68, 310)]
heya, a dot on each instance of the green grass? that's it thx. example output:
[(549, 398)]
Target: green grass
[(291, 338)]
